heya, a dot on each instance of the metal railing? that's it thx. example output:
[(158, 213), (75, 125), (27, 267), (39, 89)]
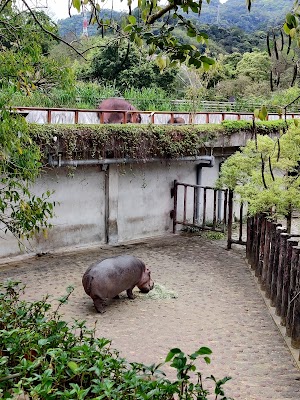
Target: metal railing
[(93, 116), (204, 207)]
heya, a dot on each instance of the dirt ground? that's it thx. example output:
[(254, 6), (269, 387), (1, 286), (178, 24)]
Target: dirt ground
[(219, 305)]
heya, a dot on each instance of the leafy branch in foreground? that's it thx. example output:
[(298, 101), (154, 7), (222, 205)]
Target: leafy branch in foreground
[(21, 212), (153, 23), (41, 356)]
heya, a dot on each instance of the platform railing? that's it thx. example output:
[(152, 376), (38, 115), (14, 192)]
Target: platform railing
[(94, 116)]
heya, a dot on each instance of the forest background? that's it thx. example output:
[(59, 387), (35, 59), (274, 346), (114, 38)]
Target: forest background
[(248, 71)]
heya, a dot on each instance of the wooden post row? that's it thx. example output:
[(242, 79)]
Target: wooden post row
[(294, 302)]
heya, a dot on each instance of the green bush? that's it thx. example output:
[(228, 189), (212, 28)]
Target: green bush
[(42, 357), (262, 127)]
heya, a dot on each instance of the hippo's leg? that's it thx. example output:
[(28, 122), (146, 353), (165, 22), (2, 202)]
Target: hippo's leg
[(99, 305), (130, 295)]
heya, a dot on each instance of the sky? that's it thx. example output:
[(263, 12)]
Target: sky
[(58, 9)]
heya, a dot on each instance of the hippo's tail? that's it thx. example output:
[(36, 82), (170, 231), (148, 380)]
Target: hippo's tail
[(87, 283)]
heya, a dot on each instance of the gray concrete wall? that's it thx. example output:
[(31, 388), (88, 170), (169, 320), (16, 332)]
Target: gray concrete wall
[(123, 203), (145, 197), (79, 212)]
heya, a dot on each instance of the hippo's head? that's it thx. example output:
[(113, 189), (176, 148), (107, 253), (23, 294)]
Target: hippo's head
[(146, 283)]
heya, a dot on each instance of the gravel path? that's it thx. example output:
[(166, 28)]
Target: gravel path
[(219, 305)]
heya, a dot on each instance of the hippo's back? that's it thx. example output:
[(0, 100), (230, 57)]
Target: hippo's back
[(115, 103)]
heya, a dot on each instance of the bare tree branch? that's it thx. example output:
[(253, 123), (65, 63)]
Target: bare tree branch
[(4, 5), (263, 171), (154, 17)]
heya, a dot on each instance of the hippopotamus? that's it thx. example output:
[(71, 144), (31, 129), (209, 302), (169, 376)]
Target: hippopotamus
[(176, 120), (111, 276), (113, 117)]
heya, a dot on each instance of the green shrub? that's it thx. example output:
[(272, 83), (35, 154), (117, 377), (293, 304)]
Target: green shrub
[(212, 235), (262, 127), (41, 357)]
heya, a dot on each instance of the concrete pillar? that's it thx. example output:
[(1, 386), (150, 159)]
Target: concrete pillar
[(111, 198)]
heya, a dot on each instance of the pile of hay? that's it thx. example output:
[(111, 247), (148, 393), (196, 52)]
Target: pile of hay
[(158, 292)]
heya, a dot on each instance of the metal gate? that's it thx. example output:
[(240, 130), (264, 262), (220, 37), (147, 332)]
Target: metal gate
[(206, 208)]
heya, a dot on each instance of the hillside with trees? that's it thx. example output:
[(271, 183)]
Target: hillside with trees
[(264, 14), (217, 62), (72, 27)]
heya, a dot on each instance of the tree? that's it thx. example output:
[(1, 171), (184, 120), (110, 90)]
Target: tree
[(255, 65), (265, 173), (156, 22), (24, 60), (21, 212), (24, 66), (153, 23), (126, 66)]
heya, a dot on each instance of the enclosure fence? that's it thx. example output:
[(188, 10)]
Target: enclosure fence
[(274, 255), (208, 208)]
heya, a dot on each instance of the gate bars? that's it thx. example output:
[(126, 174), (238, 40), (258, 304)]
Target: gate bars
[(208, 208)]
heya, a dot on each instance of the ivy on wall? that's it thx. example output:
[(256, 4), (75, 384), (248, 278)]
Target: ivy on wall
[(136, 141)]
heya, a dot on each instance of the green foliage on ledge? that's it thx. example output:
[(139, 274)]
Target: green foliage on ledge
[(122, 141), (137, 141), (262, 127)]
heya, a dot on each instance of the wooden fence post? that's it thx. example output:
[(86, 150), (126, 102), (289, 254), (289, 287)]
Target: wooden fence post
[(279, 231), (249, 245), (286, 279), (261, 246), (230, 219), (255, 244), (292, 289), (265, 266), (282, 256), (175, 188), (295, 306), (271, 258)]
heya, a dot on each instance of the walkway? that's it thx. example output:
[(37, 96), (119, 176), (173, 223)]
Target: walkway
[(219, 305)]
